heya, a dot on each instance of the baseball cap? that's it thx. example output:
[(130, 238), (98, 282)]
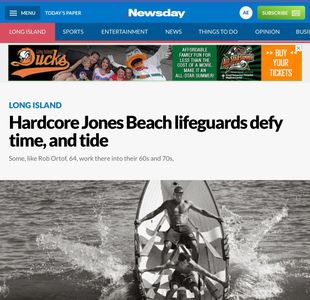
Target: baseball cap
[(178, 190)]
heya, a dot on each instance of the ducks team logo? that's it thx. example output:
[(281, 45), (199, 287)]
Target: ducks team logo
[(38, 61)]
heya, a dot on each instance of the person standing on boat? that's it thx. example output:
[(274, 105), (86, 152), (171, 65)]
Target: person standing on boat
[(179, 231), (183, 275)]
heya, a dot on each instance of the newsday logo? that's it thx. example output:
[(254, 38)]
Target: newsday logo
[(168, 13)]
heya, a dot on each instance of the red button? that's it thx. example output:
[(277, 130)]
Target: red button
[(27, 33)]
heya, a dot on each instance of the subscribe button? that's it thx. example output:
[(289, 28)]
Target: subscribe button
[(281, 12)]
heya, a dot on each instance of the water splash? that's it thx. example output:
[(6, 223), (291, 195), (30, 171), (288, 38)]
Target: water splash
[(123, 293), (266, 226), (254, 276), (103, 229), (4, 290), (299, 268), (99, 261)]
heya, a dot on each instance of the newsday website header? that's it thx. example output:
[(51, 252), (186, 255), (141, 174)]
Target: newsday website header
[(156, 21)]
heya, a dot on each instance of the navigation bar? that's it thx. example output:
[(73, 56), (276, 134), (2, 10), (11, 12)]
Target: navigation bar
[(181, 32)]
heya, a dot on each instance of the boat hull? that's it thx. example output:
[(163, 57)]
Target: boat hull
[(155, 285)]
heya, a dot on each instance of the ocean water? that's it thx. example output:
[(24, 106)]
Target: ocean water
[(70, 240)]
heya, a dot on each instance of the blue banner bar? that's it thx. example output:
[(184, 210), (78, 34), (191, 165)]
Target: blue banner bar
[(144, 12), (182, 21)]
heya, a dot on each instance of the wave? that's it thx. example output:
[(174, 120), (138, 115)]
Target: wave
[(298, 268), (253, 275)]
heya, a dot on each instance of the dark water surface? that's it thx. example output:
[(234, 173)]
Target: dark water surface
[(74, 239)]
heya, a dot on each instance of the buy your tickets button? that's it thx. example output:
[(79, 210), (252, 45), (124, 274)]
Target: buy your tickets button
[(281, 62), (281, 12)]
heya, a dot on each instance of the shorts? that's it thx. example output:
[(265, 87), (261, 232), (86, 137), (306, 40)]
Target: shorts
[(180, 234), (183, 280)]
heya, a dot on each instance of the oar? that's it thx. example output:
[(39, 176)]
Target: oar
[(208, 244), (212, 288), (149, 245), (155, 286)]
